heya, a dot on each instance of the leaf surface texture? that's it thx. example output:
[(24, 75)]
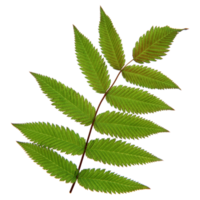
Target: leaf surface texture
[(91, 63), (125, 126), (102, 181), (56, 166), (118, 153), (110, 42), (66, 99), (134, 100), (53, 136), (147, 77), (154, 44)]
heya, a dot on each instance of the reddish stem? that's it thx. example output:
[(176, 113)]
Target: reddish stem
[(79, 167)]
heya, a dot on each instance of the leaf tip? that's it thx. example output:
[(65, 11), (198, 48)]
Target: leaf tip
[(187, 28), (100, 6), (149, 188), (73, 25), (169, 131), (15, 141), (174, 109), (162, 160)]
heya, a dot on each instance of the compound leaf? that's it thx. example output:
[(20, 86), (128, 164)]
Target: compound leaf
[(125, 126), (53, 136), (56, 166), (91, 63), (110, 42), (134, 100), (147, 77), (66, 99), (154, 44), (118, 153), (102, 181)]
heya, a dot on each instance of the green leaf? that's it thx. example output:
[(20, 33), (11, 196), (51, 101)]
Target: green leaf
[(147, 77), (107, 182), (154, 44), (66, 99), (91, 63), (110, 42), (118, 153), (53, 136), (134, 100), (56, 166), (125, 126)]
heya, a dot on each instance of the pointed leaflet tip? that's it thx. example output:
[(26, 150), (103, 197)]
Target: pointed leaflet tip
[(100, 6), (170, 131), (28, 71), (187, 28), (73, 26)]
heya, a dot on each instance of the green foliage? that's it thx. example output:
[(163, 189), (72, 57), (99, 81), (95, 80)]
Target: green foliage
[(56, 136), (145, 76), (110, 41), (108, 182), (135, 100), (65, 99), (119, 153), (125, 126), (97, 75), (50, 161), (154, 44), (150, 47)]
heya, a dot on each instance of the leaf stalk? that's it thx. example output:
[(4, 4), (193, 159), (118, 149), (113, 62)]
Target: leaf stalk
[(91, 127)]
